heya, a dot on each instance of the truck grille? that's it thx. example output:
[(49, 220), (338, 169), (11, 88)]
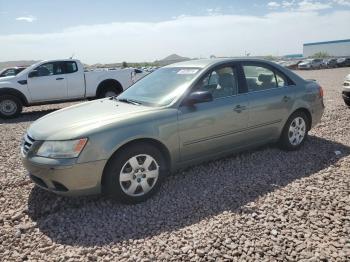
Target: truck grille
[(27, 144)]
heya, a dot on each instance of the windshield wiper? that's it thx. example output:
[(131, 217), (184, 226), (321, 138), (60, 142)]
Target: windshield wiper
[(129, 101)]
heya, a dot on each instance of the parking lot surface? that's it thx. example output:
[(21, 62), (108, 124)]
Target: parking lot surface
[(261, 205)]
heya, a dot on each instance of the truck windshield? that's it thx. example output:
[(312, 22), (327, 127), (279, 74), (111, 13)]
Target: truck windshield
[(161, 87)]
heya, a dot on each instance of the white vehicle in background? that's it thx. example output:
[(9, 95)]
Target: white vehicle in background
[(11, 71), (346, 90), (55, 81)]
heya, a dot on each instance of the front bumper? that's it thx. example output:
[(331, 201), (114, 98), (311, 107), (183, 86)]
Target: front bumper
[(70, 180)]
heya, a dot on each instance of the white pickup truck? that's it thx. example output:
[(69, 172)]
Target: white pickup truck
[(54, 81)]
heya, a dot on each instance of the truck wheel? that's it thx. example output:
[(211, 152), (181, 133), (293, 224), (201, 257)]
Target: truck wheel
[(108, 92), (134, 174), (10, 106)]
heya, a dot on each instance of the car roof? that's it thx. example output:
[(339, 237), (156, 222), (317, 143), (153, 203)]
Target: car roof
[(202, 63), (59, 60)]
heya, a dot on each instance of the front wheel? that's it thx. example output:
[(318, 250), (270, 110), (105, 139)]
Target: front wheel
[(295, 131), (134, 173), (10, 106)]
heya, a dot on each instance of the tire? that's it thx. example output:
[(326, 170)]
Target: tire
[(293, 138), (347, 103), (108, 92), (10, 106), (130, 186)]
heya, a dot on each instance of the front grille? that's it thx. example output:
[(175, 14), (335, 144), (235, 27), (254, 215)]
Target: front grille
[(27, 144)]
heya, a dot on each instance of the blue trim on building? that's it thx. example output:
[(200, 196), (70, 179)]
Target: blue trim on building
[(329, 42)]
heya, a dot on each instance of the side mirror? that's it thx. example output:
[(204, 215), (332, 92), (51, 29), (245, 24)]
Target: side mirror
[(33, 73), (197, 97)]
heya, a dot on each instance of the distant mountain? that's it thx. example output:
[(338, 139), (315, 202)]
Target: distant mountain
[(99, 65), (174, 58), (16, 63)]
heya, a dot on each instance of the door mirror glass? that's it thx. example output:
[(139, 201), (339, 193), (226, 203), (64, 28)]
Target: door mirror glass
[(197, 97), (33, 73)]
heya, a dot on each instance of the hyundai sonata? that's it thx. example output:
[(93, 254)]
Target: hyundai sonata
[(179, 115)]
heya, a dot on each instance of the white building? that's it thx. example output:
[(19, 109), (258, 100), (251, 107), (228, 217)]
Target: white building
[(333, 48)]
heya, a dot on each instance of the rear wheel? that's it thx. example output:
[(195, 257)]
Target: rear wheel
[(134, 173), (10, 106), (108, 92), (295, 131)]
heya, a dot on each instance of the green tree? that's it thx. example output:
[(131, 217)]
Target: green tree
[(271, 58), (320, 55), (124, 64)]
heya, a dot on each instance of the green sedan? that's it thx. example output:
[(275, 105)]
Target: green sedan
[(177, 116)]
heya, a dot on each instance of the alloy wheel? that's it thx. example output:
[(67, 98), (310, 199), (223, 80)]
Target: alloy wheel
[(297, 131), (8, 107)]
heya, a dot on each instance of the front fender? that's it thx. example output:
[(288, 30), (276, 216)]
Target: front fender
[(15, 92), (161, 127)]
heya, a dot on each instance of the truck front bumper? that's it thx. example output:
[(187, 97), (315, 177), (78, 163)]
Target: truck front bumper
[(72, 180)]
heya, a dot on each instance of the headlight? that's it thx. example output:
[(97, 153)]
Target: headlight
[(62, 149)]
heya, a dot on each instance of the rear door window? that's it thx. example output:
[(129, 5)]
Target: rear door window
[(259, 78)]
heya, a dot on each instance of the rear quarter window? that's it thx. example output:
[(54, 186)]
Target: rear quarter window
[(70, 67)]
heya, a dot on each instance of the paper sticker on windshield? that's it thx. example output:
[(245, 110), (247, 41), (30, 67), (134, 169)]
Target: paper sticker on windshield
[(187, 71)]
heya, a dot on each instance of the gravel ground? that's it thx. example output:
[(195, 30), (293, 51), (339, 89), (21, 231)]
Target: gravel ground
[(261, 205)]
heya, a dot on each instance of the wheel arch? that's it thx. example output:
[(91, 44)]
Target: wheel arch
[(300, 109), (16, 93), (307, 113), (154, 142), (109, 83)]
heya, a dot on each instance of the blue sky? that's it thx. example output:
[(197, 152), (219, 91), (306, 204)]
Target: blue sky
[(107, 31), (56, 15)]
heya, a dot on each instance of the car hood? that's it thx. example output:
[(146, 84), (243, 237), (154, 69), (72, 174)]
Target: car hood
[(78, 120), (347, 78), (305, 63)]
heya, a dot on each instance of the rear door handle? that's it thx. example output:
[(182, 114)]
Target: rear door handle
[(239, 108), (59, 78), (286, 98)]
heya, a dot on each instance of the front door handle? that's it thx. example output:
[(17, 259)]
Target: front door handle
[(286, 98), (239, 108), (59, 78)]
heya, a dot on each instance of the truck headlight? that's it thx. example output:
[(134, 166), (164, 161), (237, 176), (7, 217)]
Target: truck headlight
[(62, 149)]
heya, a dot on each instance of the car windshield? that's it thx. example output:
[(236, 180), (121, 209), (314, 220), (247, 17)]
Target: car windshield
[(161, 87)]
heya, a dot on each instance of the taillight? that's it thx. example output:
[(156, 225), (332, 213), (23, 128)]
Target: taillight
[(321, 91)]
